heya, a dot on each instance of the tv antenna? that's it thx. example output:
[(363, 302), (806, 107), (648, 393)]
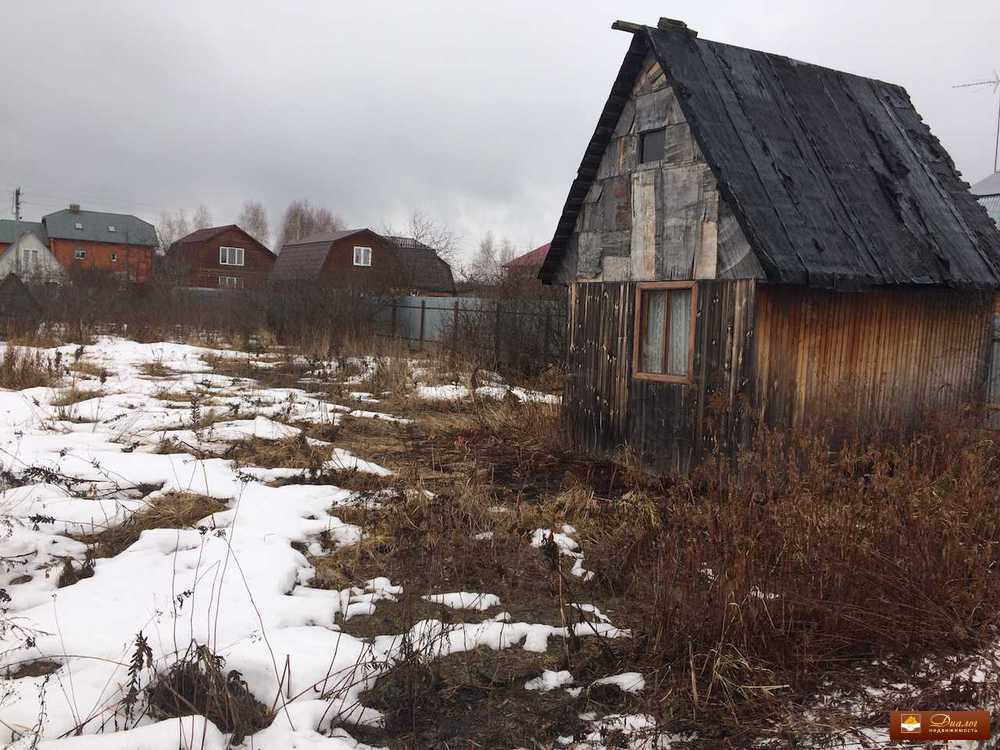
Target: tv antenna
[(995, 83)]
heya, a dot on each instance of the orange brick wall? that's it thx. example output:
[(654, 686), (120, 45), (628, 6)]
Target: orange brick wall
[(134, 262)]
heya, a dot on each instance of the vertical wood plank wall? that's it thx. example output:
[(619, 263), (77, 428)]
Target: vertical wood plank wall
[(670, 425), (784, 356), (876, 357)]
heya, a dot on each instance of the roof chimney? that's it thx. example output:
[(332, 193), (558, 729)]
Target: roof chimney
[(672, 24), (74, 208)]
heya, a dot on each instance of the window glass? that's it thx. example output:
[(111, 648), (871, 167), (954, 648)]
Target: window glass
[(653, 340), (680, 327), (664, 327), (652, 145)]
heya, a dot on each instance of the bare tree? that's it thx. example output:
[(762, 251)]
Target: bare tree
[(484, 268), (302, 220), (440, 237), (172, 226), (253, 220), (202, 218)]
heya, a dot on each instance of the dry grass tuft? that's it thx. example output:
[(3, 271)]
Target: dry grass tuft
[(199, 684), (89, 369), (176, 510), (26, 368), (74, 395), (292, 453)]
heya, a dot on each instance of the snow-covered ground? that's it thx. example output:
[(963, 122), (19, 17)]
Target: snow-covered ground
[(236, 582)]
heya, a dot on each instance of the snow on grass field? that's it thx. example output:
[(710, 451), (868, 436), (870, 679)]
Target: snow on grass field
[(83, 639)]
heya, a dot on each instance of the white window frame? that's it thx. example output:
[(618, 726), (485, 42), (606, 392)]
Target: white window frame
[(112, 228), (79, 254), (232, 256), (78, 225), (362, 256), (237, 282), (114, 257)]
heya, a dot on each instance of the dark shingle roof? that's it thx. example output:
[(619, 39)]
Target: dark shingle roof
[(129, 230), (423, 269), (7, 230), (834, 178), (302, 260)]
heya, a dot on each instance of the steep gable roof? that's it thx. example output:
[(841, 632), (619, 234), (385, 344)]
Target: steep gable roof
[(95, 227), (532, 259), (8, 229), (834, 178), (204, 235), (987, 186)]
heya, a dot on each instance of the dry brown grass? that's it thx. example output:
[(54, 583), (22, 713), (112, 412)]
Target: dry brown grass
[(749, 591), (89, 369), (74, 395), (156, 370), (176, 510), (26, 368), (291, 453)]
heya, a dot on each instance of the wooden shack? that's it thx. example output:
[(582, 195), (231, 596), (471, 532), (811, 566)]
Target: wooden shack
[(752, 240)]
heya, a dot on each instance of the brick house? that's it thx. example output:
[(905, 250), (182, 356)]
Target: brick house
[(82, 241), (220, 258)]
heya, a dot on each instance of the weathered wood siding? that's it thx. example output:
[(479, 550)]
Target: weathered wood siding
[(777, 355), (873, 358), (659, 220), (670, 425)]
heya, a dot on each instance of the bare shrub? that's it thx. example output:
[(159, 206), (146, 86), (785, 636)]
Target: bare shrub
[(804, 565)]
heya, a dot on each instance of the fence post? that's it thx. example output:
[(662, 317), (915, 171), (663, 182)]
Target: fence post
[(454, 328), (496, 334), (392, 320), (423, 308), (545, 336)]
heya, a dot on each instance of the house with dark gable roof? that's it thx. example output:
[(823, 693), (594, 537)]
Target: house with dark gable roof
[(81, 240), (363, 260), (223, 257), (987, 191), (751, 240), (120, 244)]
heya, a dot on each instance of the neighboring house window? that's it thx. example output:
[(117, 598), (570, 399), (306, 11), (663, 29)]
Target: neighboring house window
[(80, 253), (78, 225), (362, 256), (652, 145), (114, 257), (230, 282), (231, 256), (665, 314), (33, 257), (111, 228)]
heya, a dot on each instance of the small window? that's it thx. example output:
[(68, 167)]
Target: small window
[(362, 256), (114, 257), (664, 331), (78, 225), (231, 256), (652, 145), (230, 282), (80, 253), (112, 228)]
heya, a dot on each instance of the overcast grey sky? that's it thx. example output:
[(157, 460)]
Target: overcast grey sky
[(476, 114)]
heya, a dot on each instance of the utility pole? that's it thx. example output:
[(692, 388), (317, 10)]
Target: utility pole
[(995, 83), (17, 220)]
